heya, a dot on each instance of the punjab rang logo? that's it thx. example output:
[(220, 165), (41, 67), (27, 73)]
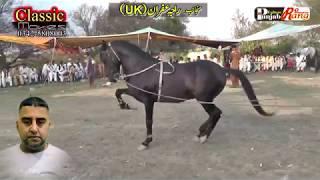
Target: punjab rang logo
[(48, 23), (282, 13)]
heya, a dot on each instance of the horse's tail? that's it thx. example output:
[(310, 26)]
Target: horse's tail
[(249, 91)]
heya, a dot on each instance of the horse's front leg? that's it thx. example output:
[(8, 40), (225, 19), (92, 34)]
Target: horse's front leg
[(122, 103), (149, 121)]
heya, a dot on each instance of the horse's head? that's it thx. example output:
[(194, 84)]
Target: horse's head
[(109, 57), (130, 56)]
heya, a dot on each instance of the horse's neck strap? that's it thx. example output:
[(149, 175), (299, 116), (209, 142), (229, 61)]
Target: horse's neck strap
[(113, 51), (139, 72)]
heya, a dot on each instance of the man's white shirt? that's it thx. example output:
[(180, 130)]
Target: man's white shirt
[(50, 162), (299, 59)]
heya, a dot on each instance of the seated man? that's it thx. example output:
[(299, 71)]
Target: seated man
[(8, 79), (34, 75), (300, 62), (34, 157)]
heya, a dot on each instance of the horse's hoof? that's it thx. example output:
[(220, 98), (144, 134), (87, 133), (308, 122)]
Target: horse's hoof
[(203, 139), (196, 139), (124, 106), (127, 106), (107, 83), (142, 147)]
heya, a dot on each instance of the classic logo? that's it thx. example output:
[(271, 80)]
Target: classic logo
[(282, 13), (48, 23)]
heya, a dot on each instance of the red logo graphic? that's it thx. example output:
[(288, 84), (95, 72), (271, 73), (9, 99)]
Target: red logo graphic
[(296, 14)]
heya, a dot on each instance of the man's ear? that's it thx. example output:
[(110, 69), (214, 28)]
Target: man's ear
[(17, 125), (51, 125)]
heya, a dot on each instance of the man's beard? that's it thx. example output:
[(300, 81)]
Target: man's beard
[(33, 147)]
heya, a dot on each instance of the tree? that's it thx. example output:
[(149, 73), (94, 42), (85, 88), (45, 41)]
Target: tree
[(312, 37), (176, 26), (173, 25), (5, 11), (281, 45), (108, 24), (85, 16), (243, 27), (95, 21), (315, 10)]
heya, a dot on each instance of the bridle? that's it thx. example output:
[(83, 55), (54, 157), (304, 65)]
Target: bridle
[(124, 76), (114, 52)]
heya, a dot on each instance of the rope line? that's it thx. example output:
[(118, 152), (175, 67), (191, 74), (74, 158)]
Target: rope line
[(205, 102)]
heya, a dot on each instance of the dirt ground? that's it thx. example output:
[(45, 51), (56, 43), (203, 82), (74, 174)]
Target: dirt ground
[(103, 140)]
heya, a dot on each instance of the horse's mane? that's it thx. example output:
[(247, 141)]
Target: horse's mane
[(131, 48)]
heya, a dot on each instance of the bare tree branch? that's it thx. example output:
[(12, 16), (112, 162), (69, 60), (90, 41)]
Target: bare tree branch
[(85, 16)]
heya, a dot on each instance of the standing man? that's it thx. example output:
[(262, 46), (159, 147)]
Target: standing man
[(61, 71), (90, 69), (108, 59), (3, 78), (50, 72), (220, 55), (9, 77), (34, 157), (55, 71), (45, 72), (235, 58), (34, 75)]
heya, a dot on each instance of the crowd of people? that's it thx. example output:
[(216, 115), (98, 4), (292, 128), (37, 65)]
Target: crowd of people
[(250, 63), (69, 71), (50, 72), (75, 71), (20, 75)]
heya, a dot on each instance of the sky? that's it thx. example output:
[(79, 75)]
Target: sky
[(217, 25)]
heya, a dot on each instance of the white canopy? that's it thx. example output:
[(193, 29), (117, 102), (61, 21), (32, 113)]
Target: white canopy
[(278, 30)]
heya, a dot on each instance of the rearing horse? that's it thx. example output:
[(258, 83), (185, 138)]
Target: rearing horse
[(202, 80)]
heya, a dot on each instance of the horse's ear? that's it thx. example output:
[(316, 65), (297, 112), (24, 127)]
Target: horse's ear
[(104, 46)]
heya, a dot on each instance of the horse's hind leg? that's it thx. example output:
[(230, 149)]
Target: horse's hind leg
[(149, 121), (215, 116), (122, 103), (207, 127)]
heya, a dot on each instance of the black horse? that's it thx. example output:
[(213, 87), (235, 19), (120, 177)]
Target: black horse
[(202, 80)]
